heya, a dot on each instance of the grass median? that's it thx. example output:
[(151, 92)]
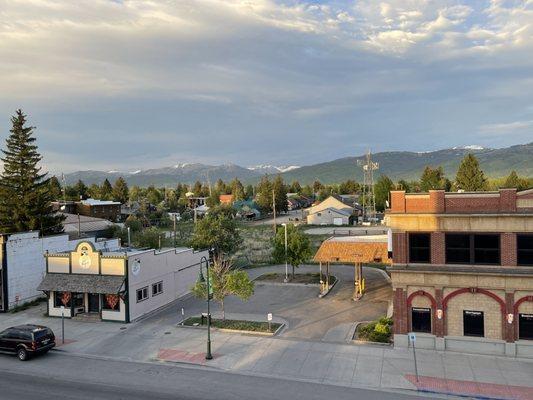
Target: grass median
[(233, 324)]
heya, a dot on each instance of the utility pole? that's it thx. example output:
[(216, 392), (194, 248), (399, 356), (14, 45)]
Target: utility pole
[(174, 230), (274, 208), (79, 226)]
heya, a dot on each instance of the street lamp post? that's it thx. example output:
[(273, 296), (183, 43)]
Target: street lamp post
[(208, 355), (286, 261)]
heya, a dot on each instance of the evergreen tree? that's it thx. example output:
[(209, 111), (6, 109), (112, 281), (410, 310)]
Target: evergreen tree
[(280, 195), (403, 185), (317, 186), (81, 190), (470, 177), (432, 179), (295, 187), (106, 190), (56, 192), (264, 195), (94, 191), (25, 196), (237, 190), (249, 192), (382, 189), (514, 181), (120, 190)]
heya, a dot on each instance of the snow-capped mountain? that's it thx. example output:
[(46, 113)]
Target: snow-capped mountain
[(272, 169)]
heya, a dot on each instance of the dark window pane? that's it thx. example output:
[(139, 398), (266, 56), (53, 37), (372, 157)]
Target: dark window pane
[(419, 248), (525, 326), (487, 249), (458, 248), (421, 319), (473, 324), (524, 249)]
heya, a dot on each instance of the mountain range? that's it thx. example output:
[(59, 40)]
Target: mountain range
[(395, 164)]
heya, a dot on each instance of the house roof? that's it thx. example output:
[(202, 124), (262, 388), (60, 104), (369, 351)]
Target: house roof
[(226, 198), (331, 202), (80, 283), (341, 211), (87, 224), (96, 202), (353, 249)]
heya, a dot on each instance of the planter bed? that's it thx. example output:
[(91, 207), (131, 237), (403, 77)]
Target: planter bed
[(232, 325), (305, 279)]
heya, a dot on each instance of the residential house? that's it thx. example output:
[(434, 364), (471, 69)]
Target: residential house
[(331, 211)]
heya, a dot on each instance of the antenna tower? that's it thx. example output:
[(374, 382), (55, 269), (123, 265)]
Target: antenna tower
[(369, 200)]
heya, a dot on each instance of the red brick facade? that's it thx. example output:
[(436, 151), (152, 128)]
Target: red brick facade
[(465, 210), (438, 202)]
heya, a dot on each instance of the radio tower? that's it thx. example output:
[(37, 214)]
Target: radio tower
[(369, 200)]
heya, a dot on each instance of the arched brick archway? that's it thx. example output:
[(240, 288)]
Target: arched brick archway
[(473, 290), (515, 312), (433, 307)]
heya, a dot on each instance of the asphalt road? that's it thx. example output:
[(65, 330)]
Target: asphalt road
[(59, 376)]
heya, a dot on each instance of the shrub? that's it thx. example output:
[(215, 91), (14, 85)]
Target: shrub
[(377, 331)]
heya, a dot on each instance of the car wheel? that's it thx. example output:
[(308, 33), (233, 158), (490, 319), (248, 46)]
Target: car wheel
[(22, 354)]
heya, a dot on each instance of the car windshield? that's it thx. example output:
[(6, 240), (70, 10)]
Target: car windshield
[(41, 333)]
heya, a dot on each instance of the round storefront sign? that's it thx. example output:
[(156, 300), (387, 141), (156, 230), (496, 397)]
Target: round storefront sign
[(136, 267)]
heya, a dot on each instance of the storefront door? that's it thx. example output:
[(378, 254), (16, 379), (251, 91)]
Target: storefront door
[(94, 302)]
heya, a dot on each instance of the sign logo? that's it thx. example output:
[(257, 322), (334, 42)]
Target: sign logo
[(439, 313), (510, 318), (85, 260), (136, 267)]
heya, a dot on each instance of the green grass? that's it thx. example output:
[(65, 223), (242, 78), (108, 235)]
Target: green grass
[(377, 331), (253, 326), (311, 278)]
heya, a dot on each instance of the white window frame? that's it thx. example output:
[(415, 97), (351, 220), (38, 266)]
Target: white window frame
[(142, 290), (154, 293)]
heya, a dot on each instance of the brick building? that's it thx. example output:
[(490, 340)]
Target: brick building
[(463, 270)]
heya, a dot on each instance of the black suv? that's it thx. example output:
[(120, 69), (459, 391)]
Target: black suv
[(27, 340)]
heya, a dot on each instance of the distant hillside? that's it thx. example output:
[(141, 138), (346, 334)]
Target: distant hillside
[(396, 164), (409, 165)]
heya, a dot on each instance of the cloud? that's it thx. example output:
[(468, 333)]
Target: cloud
[(231, 79), (507, 128)]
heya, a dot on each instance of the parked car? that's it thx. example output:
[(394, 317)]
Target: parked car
[(27, 340)]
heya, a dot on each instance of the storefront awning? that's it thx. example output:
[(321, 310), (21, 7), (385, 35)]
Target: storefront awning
[(102, 284)]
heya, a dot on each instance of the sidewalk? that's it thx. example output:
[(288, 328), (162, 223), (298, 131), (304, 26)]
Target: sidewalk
[(379, 367), (354, 365)]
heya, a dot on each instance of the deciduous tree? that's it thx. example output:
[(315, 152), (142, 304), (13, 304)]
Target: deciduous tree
[(298, 247)]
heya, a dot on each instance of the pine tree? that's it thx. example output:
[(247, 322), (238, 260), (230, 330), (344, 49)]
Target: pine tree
[(264, 195), (56, 192), (514, 181), (469, 176), (25, 196), (120, 190), (81, 190), (237, 190), (280, 194), (94, 191), (433, 178), (106, 190)]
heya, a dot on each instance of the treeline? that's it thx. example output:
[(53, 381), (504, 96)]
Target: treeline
[(469, 178)]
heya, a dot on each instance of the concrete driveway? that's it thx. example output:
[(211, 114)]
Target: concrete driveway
[(307, 317)]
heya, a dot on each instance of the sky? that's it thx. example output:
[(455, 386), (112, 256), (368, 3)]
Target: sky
[(125, 85)]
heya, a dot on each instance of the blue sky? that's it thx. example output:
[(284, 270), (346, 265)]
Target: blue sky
[(125, 85)]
